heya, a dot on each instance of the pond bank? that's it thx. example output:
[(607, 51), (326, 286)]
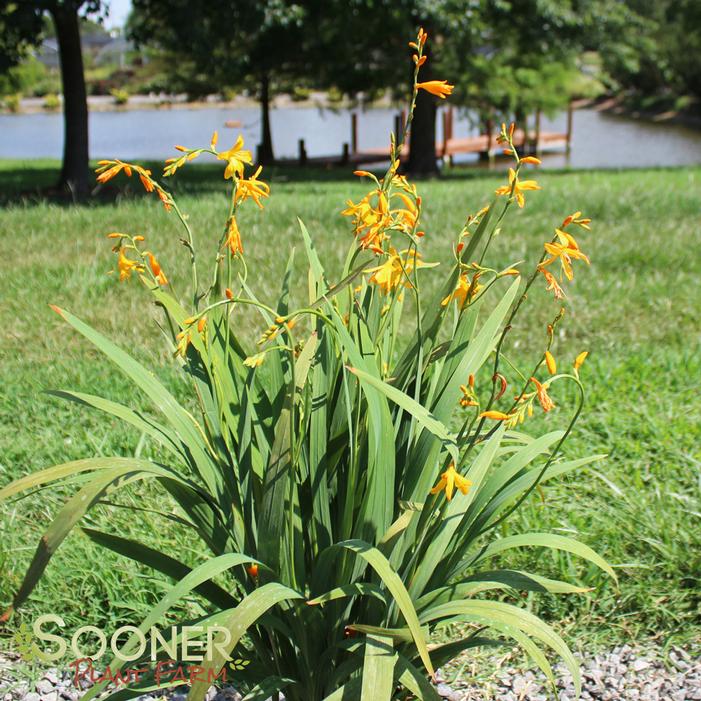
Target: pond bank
[(690, 119)]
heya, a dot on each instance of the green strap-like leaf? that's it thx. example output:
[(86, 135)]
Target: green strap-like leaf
[(350, 590), (183, 423), (453, 515), (498, 614), (348, 692), (237, 623), (67, 469), (546, 540), (395, 586), (413, 680), (161, 562), (143, 423), (413, 408), (265, 689), (378, 669), (76, 507)]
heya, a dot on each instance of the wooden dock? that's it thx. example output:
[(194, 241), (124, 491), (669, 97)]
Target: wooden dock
[(485, 145)]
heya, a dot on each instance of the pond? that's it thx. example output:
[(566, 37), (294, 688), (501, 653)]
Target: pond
[(600, 140)]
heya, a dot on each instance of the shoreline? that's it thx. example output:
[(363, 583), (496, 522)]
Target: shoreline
[(106, 103), (617, 107), (610, 105)]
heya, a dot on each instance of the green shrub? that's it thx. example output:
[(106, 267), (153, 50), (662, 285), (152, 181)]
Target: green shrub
[(12, 103), (52, 102), (347, 479), (121, 96)]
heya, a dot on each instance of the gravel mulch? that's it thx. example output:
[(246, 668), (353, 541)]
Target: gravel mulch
[(623, 674)]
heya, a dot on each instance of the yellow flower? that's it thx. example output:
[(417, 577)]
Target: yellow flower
[(564, 252), (236, 157), (254, 361), (126, 266), (253, 188), (468, 396), (552, 283), (579, 360), (439, 88), (543, 397), (406, 217), (233, 238), (370, 219), (394, 271), (577, 219), (183, 341), (496, 415), (518, 187), (158, 273), (550, 362), (165, 198), (465, 291), (108, 169), (530, 159), (449, 480)]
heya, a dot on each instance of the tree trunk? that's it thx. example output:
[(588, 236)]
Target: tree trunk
[(74, 172), (265, 148), (422, 142)]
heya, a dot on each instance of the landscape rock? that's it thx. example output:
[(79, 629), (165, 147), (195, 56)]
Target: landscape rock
[(623, 674)]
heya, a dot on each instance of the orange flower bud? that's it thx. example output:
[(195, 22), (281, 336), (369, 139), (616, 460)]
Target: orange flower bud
[(579, 360), (115, 235), (550, 362), (252, 570), (502, 388), (229, 294), (202, 324), (531, 159), (495, 415)]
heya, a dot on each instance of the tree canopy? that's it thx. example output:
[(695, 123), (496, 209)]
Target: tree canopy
[(22, 24)]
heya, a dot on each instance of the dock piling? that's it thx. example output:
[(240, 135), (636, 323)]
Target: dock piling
[(570, 117)]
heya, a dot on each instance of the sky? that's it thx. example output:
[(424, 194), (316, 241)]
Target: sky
[(119, 9)]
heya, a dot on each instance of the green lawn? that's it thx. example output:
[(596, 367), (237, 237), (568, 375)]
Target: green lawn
[(635, 309)]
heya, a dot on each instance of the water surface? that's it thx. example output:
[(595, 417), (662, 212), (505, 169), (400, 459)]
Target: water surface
[(599, 140)]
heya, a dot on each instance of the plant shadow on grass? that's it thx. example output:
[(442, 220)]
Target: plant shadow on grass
[(29, 182)]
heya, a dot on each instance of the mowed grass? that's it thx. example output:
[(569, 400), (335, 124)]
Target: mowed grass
[(636, 310)]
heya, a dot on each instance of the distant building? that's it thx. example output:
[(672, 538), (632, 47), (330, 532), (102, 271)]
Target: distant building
[(93, 44)]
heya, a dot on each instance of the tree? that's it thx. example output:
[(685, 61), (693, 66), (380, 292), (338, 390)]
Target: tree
[(274, 46), (21, 24), (230, 45), (510, 58), (651, 48)]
